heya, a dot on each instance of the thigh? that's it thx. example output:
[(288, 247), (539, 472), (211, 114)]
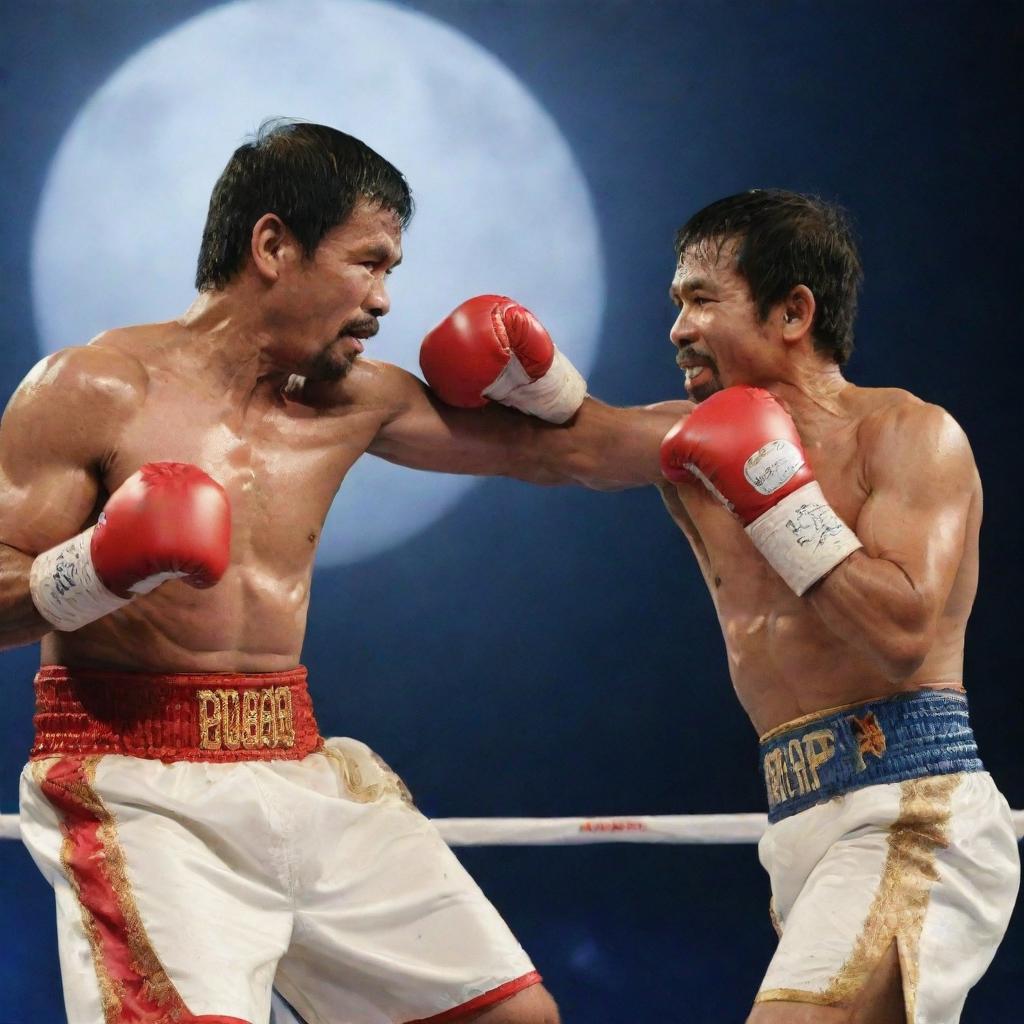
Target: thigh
[(155, 920), (393, 927), (977, 878), (934, 883)]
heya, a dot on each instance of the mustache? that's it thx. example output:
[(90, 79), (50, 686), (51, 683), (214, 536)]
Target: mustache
[(361, 327), (685, 358)]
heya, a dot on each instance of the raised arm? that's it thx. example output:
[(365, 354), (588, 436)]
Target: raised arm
[(602, 446), (887, 599), (58, 428)]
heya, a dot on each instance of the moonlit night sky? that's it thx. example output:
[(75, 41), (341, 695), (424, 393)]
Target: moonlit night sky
[(494, 181)]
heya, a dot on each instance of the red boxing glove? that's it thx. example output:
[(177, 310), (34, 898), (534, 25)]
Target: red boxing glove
[(492, 349), (744, 447), (169, 520)]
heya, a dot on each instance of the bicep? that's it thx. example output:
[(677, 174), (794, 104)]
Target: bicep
[(50, 448), (923, 483)]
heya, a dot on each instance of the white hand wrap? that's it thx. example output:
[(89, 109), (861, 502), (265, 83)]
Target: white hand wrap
[(802, 537), (65, 588), (555, 397)]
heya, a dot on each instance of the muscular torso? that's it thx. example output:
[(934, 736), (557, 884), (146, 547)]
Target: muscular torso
[(281, 462), (783, 661)]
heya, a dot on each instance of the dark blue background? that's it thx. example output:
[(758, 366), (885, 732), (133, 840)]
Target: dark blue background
[(544, 652)]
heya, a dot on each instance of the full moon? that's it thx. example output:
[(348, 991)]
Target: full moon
[(501, 203)]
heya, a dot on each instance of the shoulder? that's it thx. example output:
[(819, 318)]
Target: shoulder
[(95, 385), (901, 432)]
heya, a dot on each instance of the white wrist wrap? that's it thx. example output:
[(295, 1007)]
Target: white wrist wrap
[(555, 397), (802, 537), (65, 588)]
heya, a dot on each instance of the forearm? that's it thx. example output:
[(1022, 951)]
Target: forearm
[(873, 605), (604, 447), (20, 622)]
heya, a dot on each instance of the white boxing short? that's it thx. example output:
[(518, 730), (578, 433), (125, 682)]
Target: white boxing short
[(190, 883), (928, 863)]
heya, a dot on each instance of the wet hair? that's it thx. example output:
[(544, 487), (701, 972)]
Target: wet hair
[(783, 239), (310, 175)]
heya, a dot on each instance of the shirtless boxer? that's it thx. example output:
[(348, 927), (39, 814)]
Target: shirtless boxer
[(843, 566), (163, 490)]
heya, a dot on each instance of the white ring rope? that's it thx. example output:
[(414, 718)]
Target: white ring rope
[(652, 828)]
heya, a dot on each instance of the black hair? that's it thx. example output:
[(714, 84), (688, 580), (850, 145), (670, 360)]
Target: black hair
[(783, 239), (309, 175)]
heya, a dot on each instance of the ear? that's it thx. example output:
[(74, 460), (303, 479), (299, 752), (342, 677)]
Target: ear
[(271, 245), (797, 311)]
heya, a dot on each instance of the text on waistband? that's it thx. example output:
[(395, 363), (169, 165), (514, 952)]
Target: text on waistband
[(231, 719)]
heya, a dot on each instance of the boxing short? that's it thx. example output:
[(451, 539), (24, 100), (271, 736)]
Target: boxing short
[(205, 845), (885, 829)]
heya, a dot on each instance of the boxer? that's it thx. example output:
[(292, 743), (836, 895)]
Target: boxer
[(836, 528), (162, 492)]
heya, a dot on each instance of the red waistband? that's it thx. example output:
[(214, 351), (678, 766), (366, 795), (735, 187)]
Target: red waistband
[(203, 717)]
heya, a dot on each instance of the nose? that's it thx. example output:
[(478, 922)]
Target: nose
[(682, 332), (378, 302)]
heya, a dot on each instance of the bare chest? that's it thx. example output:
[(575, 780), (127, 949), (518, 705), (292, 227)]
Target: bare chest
[(280, 465)]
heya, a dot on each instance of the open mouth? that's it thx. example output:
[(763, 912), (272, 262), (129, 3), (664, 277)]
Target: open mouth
[(697, 376)]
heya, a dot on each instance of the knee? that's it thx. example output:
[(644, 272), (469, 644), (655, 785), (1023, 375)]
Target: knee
[(538, 1008), (533, 1005)]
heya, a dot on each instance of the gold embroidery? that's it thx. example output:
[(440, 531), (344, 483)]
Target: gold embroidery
[(775, 776), (390, 783), (209, 720), (799, 766), (803, 720), (156, 984), (229, 719), (352, 777), (268, 718), (285, 720), (819, 746), (792, 770), (901, 900), (250, 719)]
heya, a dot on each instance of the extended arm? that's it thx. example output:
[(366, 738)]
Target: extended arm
[(886, 600), (602, 447)]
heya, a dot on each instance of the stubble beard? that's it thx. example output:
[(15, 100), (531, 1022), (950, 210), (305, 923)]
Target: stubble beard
[(331, 366)]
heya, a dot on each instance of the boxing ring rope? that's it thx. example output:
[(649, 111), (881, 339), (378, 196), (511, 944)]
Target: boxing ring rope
[(652, 828)]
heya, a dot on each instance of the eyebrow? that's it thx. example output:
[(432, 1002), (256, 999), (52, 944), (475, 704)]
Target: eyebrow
[(690, 284), (382, 254)]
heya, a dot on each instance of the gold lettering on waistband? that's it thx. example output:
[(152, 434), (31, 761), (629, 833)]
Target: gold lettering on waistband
[(209, 720), (792, 770), (819, 747), (775, 777), (285, 721), (250, 719), (231, 718), (798, 765)]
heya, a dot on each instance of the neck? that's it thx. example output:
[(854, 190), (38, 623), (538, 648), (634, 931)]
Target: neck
[(807, 387), (228, 335)]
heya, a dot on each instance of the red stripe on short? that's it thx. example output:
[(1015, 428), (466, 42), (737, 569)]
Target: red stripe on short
[(94, 865), (496, 995)]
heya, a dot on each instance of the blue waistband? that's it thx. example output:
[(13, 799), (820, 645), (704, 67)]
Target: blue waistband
[(879, 741)]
